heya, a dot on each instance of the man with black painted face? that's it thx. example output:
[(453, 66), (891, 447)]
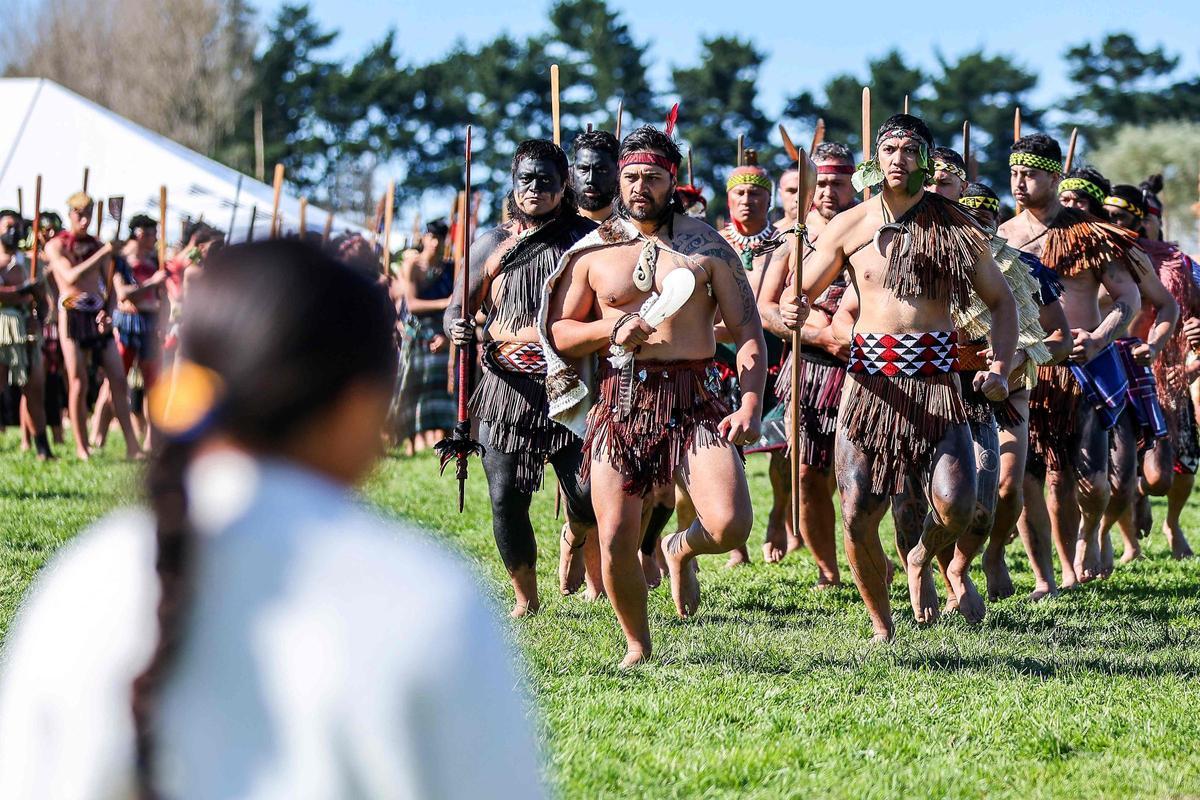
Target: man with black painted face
[(594, 173), (509, 267)]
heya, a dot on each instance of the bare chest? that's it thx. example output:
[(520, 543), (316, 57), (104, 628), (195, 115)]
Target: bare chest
[(611, 275)]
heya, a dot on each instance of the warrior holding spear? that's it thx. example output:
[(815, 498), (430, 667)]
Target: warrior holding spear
[(913, 256), (509, 267), (79, 264)]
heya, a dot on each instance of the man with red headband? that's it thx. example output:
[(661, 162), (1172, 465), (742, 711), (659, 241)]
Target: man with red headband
[(914, 256), (824, 365), (1073, 406), (659, 416), (80, 265)]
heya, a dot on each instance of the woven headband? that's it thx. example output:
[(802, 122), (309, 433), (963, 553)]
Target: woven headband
[(1036, 162), (835, 169), (981, 201), (750, 179), (902, 132), (1122, 203), (1081, 185), (953, 169), (647, 158)]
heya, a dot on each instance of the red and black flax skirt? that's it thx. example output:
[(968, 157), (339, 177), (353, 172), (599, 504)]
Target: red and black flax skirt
[(649, 416), (902, 398)]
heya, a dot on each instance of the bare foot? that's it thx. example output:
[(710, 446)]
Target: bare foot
[(738, 558), (794, 543), (1143, 517), (1106, 557), (650, 569), (923, 593), (970, 604), (523, 610), (1180, 549), (635, 656), (1132, 553), (594, 593), (685, 585), (570, 562), (999, 582), (1041, 593), (773, 553), (824, 583), (1087, 560), (82, 454), (883, 637)]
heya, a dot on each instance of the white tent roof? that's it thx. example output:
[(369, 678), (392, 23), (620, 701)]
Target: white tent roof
[(52, 131)]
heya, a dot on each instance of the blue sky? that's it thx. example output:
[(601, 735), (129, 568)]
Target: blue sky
[(805, 42)]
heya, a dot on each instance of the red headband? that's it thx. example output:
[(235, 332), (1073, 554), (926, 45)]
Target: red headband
[(835, 169), (1155, 210), (647, 158)]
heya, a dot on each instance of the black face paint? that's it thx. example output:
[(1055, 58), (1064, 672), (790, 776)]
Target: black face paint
[(595, 175), (536, 175)]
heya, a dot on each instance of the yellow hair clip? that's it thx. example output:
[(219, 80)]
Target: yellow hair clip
[(179, 405)]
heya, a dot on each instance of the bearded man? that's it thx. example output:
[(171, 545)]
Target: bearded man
[(824, 364), (509, 266), (659, 416), (913, 256), (594, 173), (1073, 407)]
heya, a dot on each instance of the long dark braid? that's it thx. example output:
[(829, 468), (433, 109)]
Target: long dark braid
[(174, 542), (286, 328)]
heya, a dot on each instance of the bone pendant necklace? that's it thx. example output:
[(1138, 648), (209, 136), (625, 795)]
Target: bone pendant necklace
[(889, 224)]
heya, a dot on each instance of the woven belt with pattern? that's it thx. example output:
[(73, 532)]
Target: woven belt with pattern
[(914, 354), (523, 357)]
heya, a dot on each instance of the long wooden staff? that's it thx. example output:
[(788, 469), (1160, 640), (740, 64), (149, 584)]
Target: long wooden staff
[(1071, 151), (459, 446), (798, 285), (966, 154), (99, 207), (86, 172), (388, 210), (905, 104), (1016, 136), (620, 113), (554, 109), (788, 145), (21, 203), (278, 190), (328, 229), (741, 153), (866, 132), (253, 219), (303, 218), (818, 135), (37, 228), (162, 227)]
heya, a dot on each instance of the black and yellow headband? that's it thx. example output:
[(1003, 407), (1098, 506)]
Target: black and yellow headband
[(1035, 162)]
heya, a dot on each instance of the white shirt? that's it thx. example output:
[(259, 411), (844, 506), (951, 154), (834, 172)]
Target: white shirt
[(326, 654)]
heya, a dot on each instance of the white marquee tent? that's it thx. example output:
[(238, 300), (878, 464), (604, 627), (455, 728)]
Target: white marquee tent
[(52, 131)]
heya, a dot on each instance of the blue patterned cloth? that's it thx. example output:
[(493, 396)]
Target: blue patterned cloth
[(1105, 384)]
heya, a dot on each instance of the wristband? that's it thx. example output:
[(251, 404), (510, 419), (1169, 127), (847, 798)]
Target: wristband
[(612, 337)]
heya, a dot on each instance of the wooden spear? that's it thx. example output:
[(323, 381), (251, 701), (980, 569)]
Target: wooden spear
[(37, 228), (20, 203), (966, 154), (99, 210), (328, 229), (253, 219), (303, 218), (86, 172), (162, 227), (818, 135), (1071, 151), (1017, 124), (805, 188), (388, 209), (458, 446), (620, 113), (741, 153), (905, 104), (554, 109), (866, 132), (788, 145), (278, 190)]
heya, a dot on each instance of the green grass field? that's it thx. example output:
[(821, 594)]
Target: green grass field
[(773, 690)]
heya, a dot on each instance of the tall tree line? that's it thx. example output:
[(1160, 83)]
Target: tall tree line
[(204, 70)]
